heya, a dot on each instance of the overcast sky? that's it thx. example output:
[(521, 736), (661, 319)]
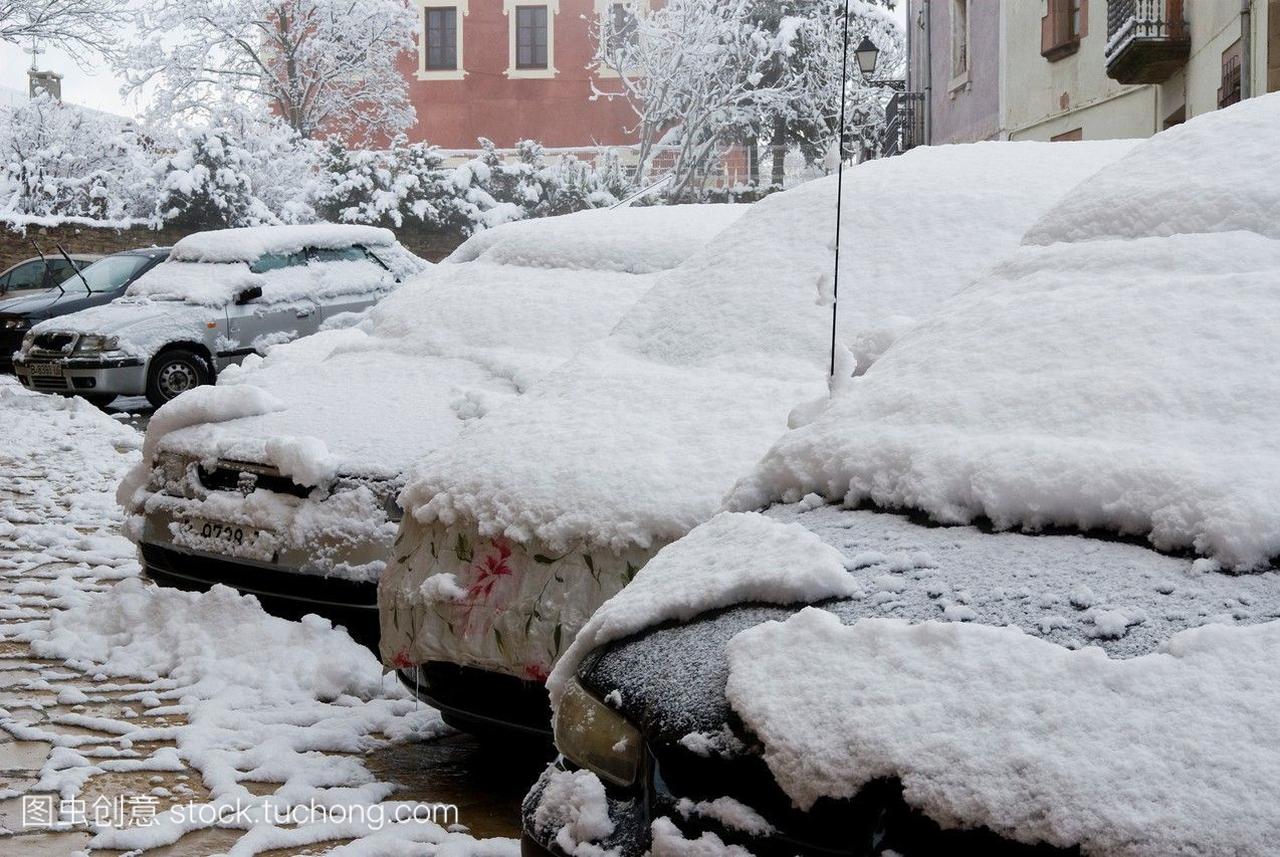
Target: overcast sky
[(97, 87)]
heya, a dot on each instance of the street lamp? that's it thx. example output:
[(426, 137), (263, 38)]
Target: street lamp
[(867, 55)]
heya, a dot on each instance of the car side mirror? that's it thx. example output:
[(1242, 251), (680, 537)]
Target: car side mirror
[(250, 294)]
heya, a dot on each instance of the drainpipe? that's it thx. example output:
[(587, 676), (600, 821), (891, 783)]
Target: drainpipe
[(1246, 49), (928, 74)]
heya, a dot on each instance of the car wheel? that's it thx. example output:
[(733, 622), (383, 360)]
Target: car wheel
[(173, 373)]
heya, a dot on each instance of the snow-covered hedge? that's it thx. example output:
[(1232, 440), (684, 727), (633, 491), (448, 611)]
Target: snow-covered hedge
[(59, 162)]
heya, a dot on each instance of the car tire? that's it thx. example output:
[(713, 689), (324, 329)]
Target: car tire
[(173, 372)]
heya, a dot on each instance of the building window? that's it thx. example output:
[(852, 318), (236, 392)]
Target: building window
[(442, 38), (1229, 92), (533, 38), (440, 42), (622, 28), (959, 45), (1065, 23)]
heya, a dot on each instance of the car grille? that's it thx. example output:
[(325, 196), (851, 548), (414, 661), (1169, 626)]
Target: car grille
[(55, 342), (47, 384), (247, 476)]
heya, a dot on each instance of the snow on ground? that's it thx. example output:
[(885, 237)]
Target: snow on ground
[(1125, 383), (1168, 753), (161, 681)]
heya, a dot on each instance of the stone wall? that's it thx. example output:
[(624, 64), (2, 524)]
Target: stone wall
[(16, 246)]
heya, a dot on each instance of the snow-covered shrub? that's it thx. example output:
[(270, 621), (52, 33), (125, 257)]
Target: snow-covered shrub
[(206, 184), (61, 160), (387, 188)]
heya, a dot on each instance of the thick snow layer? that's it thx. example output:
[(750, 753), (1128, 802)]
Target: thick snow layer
[(1167, 753), (440, 351), (737, 558), (636, 440), (248, 244), (1127, 385), (217, 285), (631, 240), (574, 806), (1168, 186), (142, 325)]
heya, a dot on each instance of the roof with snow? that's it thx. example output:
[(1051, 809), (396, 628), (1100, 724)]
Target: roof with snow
[(629, 240), (1117, 372), (646, 431), (248, 244)]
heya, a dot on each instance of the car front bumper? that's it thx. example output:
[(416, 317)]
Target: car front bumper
[(281, 582), (124, 376)]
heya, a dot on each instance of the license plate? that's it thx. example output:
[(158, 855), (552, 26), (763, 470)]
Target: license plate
[(225, 538), (44, 370)]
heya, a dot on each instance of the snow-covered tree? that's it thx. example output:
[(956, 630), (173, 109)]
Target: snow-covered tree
[(702, 76), (73, 25), (323, 66), (58, 160)]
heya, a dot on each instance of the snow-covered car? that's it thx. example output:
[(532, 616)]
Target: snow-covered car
[(219, 297), (516, 532), (282, 480), (1022, 596), (98, 281)]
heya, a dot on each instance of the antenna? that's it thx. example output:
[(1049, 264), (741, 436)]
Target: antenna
[(35, 50), (835, 283)]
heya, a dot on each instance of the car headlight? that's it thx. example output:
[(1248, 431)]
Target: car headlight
[(594, 736), (28, 340), (15, 324), (94, 343)]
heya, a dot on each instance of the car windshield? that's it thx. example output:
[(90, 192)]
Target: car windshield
[(106, 275)]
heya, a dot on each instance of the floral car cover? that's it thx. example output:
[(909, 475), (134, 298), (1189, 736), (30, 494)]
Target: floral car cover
[(491, 603)]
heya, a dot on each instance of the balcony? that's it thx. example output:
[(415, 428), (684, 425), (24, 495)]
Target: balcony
[(1147, 40), (904, 123)]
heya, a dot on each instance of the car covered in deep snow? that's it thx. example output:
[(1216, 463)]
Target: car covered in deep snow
[(1014, 590), (219, 297), (282, 480), (516, 532), (82, 282)]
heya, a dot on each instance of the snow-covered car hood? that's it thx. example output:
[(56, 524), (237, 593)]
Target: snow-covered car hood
[(142, 325), (443, 350), (656, 422)]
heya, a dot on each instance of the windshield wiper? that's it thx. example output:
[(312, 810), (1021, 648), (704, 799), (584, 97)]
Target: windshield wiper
[(48, 272), (88, 288)]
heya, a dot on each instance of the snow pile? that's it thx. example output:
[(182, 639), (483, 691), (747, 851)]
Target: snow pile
[(1168, 753), (574, 806), (219, 645), (637, 439), (249, 244), (731, 559), (631, 240), (1168, 187), (1123, 384)]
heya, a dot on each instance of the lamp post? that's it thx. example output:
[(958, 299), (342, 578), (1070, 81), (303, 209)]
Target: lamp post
[(867, 56)]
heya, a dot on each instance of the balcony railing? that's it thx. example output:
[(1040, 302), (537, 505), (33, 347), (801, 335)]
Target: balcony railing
[(1147, 40), (904, 123)]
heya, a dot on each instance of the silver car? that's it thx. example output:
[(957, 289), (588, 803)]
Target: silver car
[(220, 297)]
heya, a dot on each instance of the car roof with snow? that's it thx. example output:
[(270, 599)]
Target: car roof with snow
[(1109, 388), (444, 350), (649, 428)]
